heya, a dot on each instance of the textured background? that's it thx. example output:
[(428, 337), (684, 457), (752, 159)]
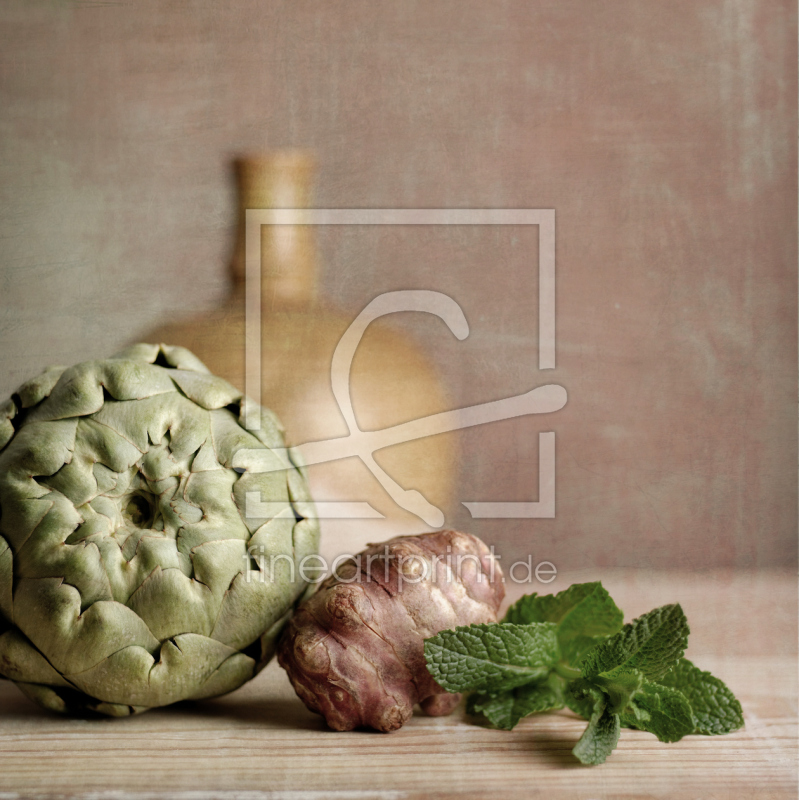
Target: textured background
[(663, 134)]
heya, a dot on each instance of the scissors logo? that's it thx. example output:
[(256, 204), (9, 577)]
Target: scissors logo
[(540, 400)]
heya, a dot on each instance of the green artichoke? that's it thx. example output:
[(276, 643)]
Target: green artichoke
[(127, 570)]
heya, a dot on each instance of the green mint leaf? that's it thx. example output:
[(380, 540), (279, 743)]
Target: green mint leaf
[(715, 708), (660, 710), (557, 607), (506, 709), (491, 658), (584, 614), (619, 688), (652, 644), (582, 697), (599, 738)]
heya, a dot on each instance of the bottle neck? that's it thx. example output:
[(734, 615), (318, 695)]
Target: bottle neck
[(287, 252)]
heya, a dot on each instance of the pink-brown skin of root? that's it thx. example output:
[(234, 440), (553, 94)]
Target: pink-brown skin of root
[(354, 651), (439, 705)]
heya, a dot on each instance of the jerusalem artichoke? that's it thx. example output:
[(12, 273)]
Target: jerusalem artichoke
[(354, 651)]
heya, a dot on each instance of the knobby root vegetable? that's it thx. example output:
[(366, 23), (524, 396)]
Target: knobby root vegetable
[(354, 650)]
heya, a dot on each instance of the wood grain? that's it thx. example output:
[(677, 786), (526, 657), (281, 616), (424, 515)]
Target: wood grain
[(262, 742)]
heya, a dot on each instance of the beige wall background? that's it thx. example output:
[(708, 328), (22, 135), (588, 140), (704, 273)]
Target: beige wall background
[(664, 135)]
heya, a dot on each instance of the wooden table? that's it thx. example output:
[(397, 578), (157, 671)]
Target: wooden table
[(261, 742)]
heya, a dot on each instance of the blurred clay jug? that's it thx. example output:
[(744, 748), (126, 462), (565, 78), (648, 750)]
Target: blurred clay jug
[(392, 381)]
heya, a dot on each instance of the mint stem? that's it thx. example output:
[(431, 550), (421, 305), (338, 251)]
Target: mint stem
[(565, 671)]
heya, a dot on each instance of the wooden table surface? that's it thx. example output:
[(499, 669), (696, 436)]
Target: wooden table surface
[(261, 741)]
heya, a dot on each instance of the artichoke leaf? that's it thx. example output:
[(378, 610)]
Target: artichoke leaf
[(138, 352), (132, 676), (81, 390), (252, 489), (102, 443), (270, 431), (21, 661), (217, 563), (229, 675), (6, 582), (48, 612), (37, 448), (305, 536), (43, 695), (213, 492), (205, 459), (229, 437), (253, 600), (35, 390), (181, 358), (8, 411), (169, 603), (78, 565), (274, 537), (207, 391)]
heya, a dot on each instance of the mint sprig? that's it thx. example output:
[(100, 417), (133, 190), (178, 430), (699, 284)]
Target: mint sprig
[(660, 710), (600, 737), (715, 708), (585, 615), (651, 644), (491, 658), (571, 649), (505, 709)]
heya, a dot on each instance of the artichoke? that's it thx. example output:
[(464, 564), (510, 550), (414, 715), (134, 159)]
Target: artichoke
[(127, 576)]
